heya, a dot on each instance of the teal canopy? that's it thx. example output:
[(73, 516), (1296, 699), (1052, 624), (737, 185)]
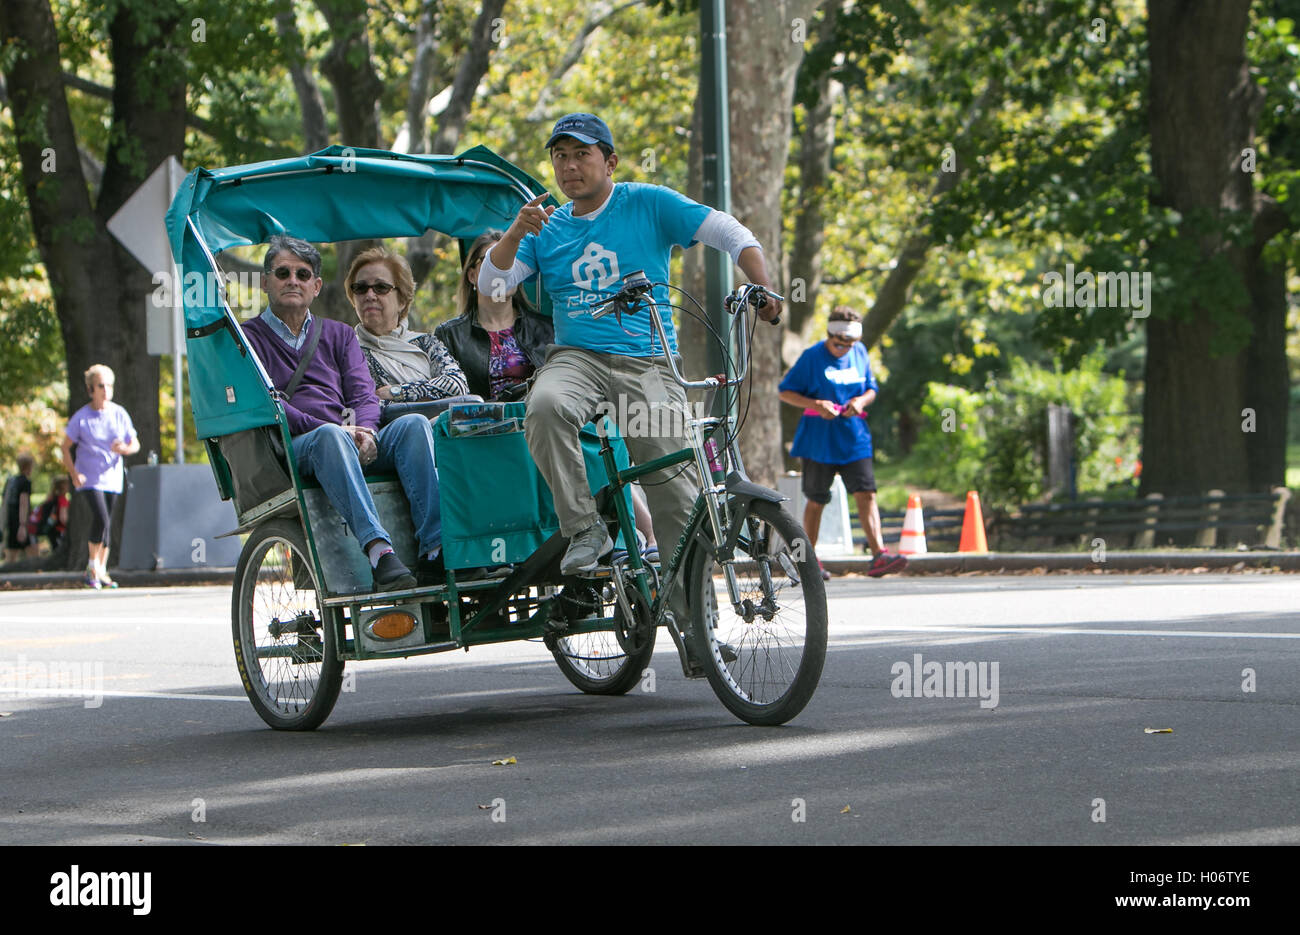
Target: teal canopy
[(339, 193)]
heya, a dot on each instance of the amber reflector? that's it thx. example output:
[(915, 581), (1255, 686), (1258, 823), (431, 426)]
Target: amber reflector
[(392, 626)]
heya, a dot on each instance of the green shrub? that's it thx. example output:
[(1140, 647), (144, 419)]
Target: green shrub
[(1016, 429), (950, 448), (996, 441)]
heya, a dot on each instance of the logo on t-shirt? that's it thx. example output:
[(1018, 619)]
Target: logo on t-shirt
[(596, 270), (845, 376)]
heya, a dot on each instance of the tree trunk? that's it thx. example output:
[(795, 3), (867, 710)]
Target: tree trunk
[(762, 62), (1202, 108), (692, 337), (891, 300), (357, 90), (1268, 384), (815, 147), (315, 128), (351, 73), (417, 87), (473, 66), (99, 289)]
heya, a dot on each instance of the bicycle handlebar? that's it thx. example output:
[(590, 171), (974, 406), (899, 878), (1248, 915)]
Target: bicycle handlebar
[(631, 298)]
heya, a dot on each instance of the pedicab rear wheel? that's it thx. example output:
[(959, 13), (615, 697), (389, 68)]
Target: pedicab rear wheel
[(285, 642), (596, 662)]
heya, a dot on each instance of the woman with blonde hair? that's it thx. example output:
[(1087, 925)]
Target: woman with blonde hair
[(103, 433), (407, 366)]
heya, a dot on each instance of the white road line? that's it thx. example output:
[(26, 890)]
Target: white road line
[(82, 693), (180, 696), (1049, 630)]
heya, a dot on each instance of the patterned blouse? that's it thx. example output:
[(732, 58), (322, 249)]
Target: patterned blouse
[(447, 379)]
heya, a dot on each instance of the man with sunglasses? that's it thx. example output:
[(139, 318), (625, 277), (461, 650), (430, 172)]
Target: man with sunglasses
[(334, 413), (833, 384)]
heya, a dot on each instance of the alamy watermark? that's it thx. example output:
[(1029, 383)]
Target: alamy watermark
[(919, 679), (79, 887), (209, 290), (1098, 290), (29, 679), (637, 417)]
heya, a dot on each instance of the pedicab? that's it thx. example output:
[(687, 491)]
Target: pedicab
[(303, 601)]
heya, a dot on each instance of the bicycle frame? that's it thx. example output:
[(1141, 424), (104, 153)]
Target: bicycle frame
[(714, 493)]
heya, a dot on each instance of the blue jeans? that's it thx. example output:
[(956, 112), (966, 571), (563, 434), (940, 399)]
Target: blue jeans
[(405, 448)]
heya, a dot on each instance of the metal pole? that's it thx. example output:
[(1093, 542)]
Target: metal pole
[(178, 349), (717, 167)]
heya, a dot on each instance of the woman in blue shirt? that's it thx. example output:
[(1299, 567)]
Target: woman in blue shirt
[(833, 384)]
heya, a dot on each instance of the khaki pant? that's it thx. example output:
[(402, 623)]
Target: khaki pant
[(641, 396)]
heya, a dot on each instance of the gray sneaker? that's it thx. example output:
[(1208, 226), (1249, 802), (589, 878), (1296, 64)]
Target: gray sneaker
[(585, 550)]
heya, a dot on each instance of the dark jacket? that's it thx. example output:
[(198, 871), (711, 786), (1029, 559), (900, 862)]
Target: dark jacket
[(470, 345)]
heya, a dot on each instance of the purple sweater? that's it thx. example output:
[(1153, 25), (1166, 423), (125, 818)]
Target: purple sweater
[(337, 379)]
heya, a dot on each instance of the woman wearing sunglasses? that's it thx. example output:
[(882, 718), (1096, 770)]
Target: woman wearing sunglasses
[(498, 340), (407, 366), (833, 385)]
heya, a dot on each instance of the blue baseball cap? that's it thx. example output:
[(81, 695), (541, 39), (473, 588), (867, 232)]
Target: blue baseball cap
[(585, 128)]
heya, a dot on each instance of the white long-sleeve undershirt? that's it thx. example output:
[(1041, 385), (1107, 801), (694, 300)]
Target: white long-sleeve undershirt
[(718, 230)]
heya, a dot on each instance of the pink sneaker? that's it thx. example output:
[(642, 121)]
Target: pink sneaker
[(886, 564)]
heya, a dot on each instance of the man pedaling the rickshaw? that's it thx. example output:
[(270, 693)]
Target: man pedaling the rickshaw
[(581, 251), (333, 415)]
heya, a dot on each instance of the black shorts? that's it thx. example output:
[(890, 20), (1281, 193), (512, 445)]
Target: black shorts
[(11, 537), (858, 476)]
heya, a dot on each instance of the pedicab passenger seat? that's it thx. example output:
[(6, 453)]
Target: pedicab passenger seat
[(251, 468)]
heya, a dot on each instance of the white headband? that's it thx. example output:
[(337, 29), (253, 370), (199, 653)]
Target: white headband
[(846, 329)]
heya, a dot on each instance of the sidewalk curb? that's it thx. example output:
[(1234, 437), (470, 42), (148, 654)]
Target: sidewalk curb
[(956, 562), (929, 564), (173, 577)]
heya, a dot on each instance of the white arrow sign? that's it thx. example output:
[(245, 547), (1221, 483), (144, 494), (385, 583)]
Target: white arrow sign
[(140, 226)]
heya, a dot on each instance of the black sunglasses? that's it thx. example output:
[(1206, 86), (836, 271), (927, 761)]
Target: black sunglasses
[(303, 274), (361, 287)]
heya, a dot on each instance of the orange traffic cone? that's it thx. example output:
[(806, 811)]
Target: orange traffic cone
[(972, 526), (912, 539)]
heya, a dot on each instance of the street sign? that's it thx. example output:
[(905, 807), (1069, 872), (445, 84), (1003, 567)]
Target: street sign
[(140, 226)]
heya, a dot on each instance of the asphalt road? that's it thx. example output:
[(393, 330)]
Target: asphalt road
[(1085, 664)]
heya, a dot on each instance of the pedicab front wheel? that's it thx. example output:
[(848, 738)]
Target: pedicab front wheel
[(764, 659), (285, 643)]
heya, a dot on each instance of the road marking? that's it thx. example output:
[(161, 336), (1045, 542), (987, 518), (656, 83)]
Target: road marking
[(181, 696), (54, 620), (83, 693), (40, 642), (1049, 630)]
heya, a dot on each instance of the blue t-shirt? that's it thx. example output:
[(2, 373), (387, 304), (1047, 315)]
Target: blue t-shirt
[(819, 374), (582, 260)]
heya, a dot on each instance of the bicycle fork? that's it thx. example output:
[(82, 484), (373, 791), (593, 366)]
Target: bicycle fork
[(709, 462)]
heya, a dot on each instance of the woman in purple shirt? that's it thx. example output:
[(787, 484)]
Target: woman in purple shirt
[(103, 433)]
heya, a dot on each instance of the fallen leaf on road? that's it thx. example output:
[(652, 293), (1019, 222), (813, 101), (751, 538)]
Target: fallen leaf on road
[(1158, 730), (485, 806), (846, 809), (508, 761)]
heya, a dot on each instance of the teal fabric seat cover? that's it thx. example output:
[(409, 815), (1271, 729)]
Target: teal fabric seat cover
[(496, 508)]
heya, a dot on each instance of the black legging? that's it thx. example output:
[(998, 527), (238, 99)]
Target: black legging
[(101, 509)]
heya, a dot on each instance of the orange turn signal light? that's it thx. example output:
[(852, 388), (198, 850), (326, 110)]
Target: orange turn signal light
[(391, 626)]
